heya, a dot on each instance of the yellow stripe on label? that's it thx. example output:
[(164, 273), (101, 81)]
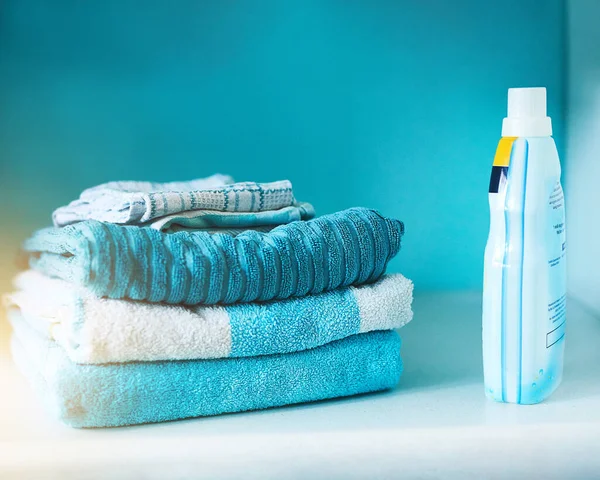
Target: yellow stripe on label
[(502, 158)]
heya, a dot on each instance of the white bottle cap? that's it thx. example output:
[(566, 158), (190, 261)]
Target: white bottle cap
[(527, 113)]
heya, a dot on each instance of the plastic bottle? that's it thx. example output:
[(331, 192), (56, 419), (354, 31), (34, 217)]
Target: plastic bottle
[(524, 292)]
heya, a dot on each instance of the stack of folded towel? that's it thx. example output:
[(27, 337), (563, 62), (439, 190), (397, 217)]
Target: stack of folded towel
[(151, 302)]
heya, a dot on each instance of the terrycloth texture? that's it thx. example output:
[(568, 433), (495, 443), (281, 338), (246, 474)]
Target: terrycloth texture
[(232, 222), (135, 203), (346, 248), (131, 393), (100, 330)]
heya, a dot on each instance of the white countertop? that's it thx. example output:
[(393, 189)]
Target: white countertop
[(436, 424)]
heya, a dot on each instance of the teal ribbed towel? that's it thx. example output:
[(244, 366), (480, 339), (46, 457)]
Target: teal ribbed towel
[(345, 248), (131, 393)]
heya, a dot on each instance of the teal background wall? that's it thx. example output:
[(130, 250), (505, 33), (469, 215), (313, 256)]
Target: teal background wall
[(583, 152), (395, 105)]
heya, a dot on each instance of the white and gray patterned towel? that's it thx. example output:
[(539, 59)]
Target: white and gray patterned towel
[(136, 203)]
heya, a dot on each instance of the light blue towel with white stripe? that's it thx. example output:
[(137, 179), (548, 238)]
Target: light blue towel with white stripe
[(100, 330), (301, 258), (142, 203), (142, 392)]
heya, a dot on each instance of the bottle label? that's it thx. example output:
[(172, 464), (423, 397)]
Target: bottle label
[(557, 251)]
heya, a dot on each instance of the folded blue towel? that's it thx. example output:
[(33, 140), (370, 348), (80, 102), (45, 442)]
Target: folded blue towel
[(106, 330), (134, 203), (213, 203), (131, 393), (346, 248), (232, 223)]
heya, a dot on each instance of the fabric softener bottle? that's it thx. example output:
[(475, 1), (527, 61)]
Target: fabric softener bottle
[(524, 291)]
